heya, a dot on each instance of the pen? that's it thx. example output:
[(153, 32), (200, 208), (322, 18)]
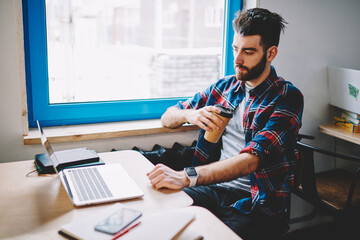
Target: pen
[(126, 230)]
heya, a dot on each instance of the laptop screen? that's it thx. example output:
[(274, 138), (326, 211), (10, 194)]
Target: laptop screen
[(45, 142)]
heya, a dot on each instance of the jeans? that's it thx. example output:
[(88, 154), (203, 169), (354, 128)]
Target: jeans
[(256, 225)]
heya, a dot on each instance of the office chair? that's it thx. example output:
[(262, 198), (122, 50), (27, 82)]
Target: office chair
[(336, 191)]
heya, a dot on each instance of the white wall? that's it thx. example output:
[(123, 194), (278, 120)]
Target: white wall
[(319, 33)]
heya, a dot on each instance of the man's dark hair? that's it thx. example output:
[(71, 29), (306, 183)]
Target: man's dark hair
[(259, 21)]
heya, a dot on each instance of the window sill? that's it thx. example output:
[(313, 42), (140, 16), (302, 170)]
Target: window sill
[(97, 131)]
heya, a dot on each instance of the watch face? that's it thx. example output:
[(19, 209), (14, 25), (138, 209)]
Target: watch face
[(191, 171)]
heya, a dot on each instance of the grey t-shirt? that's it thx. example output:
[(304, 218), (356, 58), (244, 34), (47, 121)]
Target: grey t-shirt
[(233, 140)]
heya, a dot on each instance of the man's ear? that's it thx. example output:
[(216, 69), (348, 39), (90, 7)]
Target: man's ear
[(271, 53)]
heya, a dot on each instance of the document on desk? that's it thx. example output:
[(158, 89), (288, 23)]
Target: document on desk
[(161, 226)]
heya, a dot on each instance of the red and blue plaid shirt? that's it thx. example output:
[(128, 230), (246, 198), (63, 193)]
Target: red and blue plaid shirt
[(272, 119)]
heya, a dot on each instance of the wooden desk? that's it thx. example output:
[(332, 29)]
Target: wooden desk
[(338, 132), (35, 207)]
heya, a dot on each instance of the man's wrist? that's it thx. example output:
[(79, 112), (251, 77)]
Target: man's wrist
[(191, 175), (187, 180)]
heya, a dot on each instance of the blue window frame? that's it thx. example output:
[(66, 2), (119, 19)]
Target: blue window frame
[(39, 107)]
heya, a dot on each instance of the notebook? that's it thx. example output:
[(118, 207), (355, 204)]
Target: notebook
[(93, 184), (166, 225)]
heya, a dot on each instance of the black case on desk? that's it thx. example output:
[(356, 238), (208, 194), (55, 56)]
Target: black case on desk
[(44, 165)]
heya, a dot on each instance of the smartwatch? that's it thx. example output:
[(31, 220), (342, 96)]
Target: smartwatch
[(192, 175)]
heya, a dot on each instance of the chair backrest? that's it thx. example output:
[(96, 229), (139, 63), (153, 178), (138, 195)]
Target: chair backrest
[(300, 164), (306, 172), (299, 170)]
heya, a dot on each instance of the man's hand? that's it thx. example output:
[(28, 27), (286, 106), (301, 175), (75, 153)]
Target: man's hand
[(164, 177), (204, 118)]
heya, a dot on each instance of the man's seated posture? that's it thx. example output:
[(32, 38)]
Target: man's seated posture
[(248, 187)]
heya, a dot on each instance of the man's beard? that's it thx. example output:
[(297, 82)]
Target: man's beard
[(253, 73)]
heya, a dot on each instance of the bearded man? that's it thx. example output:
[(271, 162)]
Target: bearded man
[(245, 177)]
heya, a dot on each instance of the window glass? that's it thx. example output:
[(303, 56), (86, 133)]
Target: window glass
[(132, 49)]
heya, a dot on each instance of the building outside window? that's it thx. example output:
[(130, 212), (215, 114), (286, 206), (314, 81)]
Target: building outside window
[(151, 48)]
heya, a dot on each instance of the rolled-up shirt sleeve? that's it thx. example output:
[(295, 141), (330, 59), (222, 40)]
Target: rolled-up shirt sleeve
[(199, 100)]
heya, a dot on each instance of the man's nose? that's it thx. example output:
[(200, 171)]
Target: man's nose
[(238, 59)]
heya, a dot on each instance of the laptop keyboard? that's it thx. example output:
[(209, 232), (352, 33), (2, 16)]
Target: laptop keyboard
[(89, 184)]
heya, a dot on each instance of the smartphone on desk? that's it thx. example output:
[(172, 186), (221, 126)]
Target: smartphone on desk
[(118, 220)]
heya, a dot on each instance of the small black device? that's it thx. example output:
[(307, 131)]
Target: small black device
[(118, 220)]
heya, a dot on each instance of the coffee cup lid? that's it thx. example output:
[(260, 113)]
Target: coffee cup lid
[(225, 112)]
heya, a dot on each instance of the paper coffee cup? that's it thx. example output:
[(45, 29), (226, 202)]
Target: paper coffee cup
[(226, 114)]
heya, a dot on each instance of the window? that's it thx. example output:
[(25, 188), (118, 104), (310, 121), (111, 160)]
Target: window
[(213, 16), (95, 61)]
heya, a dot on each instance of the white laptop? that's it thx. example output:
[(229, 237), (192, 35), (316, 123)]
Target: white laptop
[(94, 184)]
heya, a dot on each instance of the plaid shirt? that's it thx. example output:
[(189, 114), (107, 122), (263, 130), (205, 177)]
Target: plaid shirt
[(272, 119)]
